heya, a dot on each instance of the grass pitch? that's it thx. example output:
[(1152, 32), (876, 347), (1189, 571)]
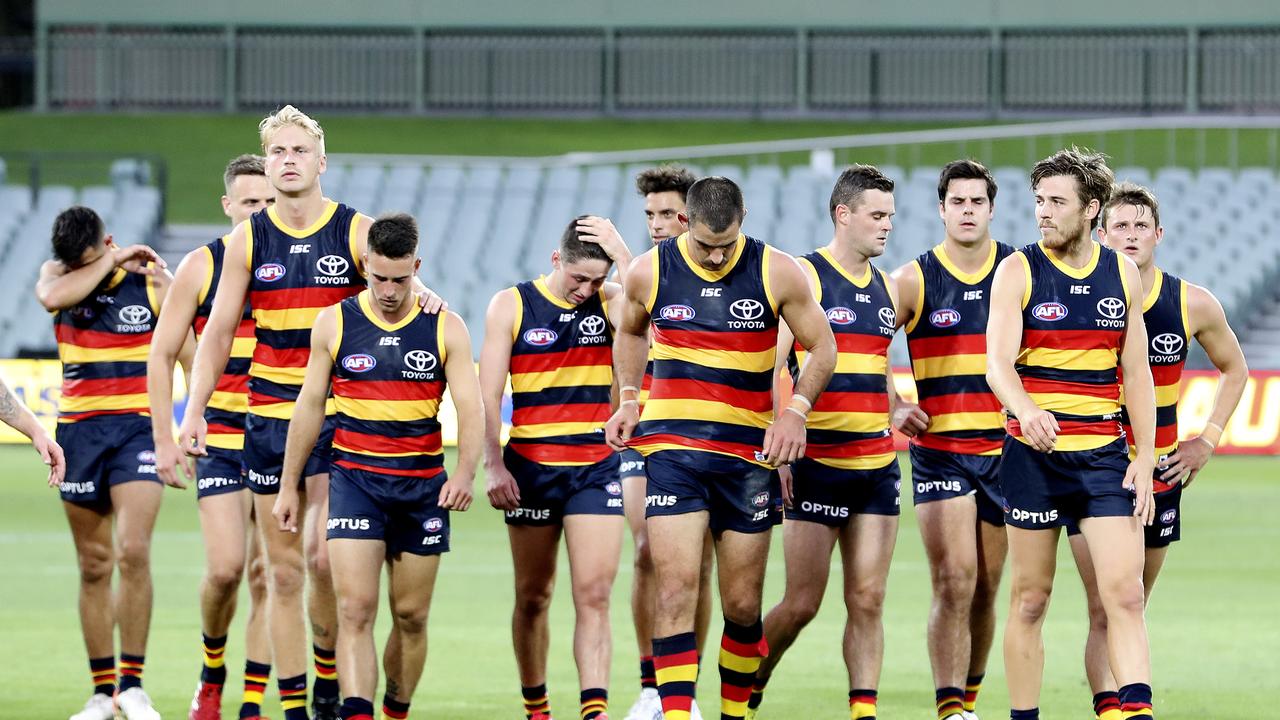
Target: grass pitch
[(1214, 629)]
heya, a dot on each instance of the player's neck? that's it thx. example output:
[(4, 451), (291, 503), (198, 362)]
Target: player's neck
[(854, 262), (301, 211), (1148, 273), (970, 257), (392, 316)]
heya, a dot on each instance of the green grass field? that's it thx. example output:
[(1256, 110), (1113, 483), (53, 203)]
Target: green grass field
[(1214, 628), (197, 147)]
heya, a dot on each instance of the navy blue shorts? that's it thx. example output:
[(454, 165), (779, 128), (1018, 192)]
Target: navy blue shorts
[(1167, 527), (549, 492), (630, 464), (103, 451), (264, 440), (219, 472), (402, 511), (830, 496), (1046, 490), (737, 495), (939, 475)]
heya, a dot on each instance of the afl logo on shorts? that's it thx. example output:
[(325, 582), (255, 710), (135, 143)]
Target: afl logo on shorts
[(841, 316), (332, 265), (591, 325), (1167, 516), (746, 309), (888, 317), (677, 313), (540, 336), (420, 360), (613, 488), (359, 363), (761, 499), (1166, 343), (433, 525), (1049, 312), (270, 272), (149, 456), (944, 318)]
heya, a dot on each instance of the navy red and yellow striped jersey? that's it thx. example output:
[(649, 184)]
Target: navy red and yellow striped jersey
[(295, 274), (561, 377), (103, 343), (714, 344), (388, 379), (947, 339), (230, 399), (1164, 310), (1073, 322), (848, 426)]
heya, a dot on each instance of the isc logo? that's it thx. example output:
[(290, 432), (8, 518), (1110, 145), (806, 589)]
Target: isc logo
[(677, 313), (540, 336), (711, 291), (299, 248), (972, 294), (393, 340), (1049, 312), (841, 316), (359, 363), (944, 318), (270, 272)]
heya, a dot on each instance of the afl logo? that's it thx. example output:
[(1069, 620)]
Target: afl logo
[(1166, 343), (270, 272), (1049, 312), (332, 265), (433, 525), (82, 313), (944, 318), (359, 363), (746, 309), (613, 488), (760, 500), (1110, 307), (841, 316), (135, 314), (591, 325), (678, 312), (1168, 516), (540, 336), (420, 360), (888, 317)]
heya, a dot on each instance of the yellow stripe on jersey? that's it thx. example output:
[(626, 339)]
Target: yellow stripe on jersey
[(74, 354), (706, 411), (352, 244), (229, 401), (949, 366), (846, 421), (1167, 395), (764, 275), (1075, 404), (864, 462), (546, 430), (1026, 274), (153, 297), (948, 422), (281, 376), (207, 284), (653, 290), (519, 316), (82, 403), (386, 410), (815, 284), (242, 347), (227, 441), (915, 317), (580, 376), (1124, 280), (283, 410), (366, 451), (298, 318), (274, 216), (1077, 443), (747, 362), (1073, 359), (851, 363)]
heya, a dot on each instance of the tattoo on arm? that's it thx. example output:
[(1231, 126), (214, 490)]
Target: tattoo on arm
[(8, 406)]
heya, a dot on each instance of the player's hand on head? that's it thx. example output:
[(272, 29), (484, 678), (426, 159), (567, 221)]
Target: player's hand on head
[(909, 419), (140, 259), (431, 301), (456, 494), (786, 477), (192, 435), (784, 440), (1187, 461), (51, 453), (602, 232), (501, 488), (172, 466), (621, 425), (285, 509)]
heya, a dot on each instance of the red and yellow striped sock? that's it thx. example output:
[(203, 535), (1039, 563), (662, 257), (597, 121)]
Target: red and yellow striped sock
[(594, 702), (862, 704), (393, 709), (675, 662), (742, 648), (1106, 705), (293, 696), (535, 700), (131, 670), (647, 679), (972, 685), (326, 664), (949, 701), (214, 671), (103, 672), (1135, 701), (256, 675)]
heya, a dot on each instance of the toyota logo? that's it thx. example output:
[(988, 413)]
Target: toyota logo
[(1166, 343), (1112, 308), (591, 325), (420, 360), (888, 317), (135, 314), (746, 309), (332, 265)]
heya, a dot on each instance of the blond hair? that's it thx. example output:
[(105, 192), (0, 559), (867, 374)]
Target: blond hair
[(289, 115)]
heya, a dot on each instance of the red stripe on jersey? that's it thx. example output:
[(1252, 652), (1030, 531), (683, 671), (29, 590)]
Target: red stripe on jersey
[(861, 343), (425, 473), (758, 341), (554, 453), (1166, 435), (104, 386), (98, 339), (932, 347), (852, 402), (246, 328), (1165, 375), (1071, 339), (233, 384), (742, 450), (73, 416), (281, 357), (219, 429), (385, 445), (681, 389), (961, 402), (387, 389), (1040, 385), (960, 446), (575, 412), (850, 449), (584, 356), (1074, 427), (293, 298)]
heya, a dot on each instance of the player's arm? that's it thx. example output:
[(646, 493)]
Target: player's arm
[(15, 414), (784, 441), (1139, 398), (464, 388), (904, 287), (60, 287), (427, 298), (308, 417), (215, 342), (1209, 327), (631, 349), (1004, 342), (907, 281), (168, 340), (495, 366), (601, 231)]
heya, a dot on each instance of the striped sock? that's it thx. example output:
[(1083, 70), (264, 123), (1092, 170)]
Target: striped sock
[(255, 685), (742, 648), (326, 682), (103, 672), (293, 696), (647, 679), (972, 685), (393, 709), (675, 663), (131, 671), (862, 704), (757, 693), (950, 701), (356, 709), (594, 702), (1106, 705), (1032, 714), (1135, 701), (214, 671), (535, 700)]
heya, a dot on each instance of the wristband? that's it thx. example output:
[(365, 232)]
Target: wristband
[(632, 388), (808, 404), (630, 402), (803, 416)]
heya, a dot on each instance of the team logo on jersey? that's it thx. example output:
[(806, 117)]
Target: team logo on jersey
[(888, 317), (1168, 516), (841, 316), (1049, 311), (1111, 308), (677, 312), (270, 272), (1166, 343), (591, 325), (613, 488), (359, 363), (420, 360), (944, 318), (540, 336), (332, 265), (433, 525), (746, 309), (135, 314), (761, 499)]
